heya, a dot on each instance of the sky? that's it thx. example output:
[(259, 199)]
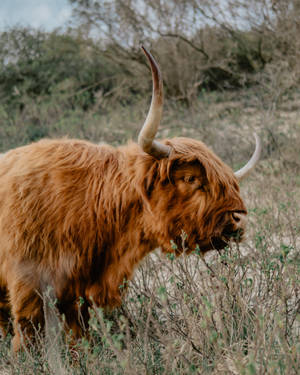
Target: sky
[(47, 14)]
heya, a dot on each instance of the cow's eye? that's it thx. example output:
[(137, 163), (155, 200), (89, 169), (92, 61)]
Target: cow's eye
[(190, 179)]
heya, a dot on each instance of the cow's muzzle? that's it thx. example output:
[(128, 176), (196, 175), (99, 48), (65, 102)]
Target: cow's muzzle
[(235, 228)]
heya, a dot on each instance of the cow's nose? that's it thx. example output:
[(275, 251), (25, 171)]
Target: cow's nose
[(239, 218)]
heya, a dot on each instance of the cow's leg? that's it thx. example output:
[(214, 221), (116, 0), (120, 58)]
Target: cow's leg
[(27, 311), (76, 319), (4, 311)]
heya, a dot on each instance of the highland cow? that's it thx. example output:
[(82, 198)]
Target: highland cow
[(79, 217)]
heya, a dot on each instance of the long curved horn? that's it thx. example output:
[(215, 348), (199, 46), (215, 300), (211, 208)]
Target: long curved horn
[(149, 129), (241, 173)]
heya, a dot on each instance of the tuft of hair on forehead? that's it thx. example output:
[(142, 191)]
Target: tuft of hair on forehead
[(187, 150)]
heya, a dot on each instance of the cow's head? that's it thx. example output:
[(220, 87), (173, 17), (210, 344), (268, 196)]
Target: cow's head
[(189, 189)]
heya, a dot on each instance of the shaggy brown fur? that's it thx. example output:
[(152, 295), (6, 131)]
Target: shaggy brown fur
[(79, 217)]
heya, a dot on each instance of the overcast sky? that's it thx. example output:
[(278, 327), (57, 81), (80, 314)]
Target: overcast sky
[(47, 14)]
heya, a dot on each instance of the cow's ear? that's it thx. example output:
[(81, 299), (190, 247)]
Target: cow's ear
[(146, 180), (150, 180), (167, 169)]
